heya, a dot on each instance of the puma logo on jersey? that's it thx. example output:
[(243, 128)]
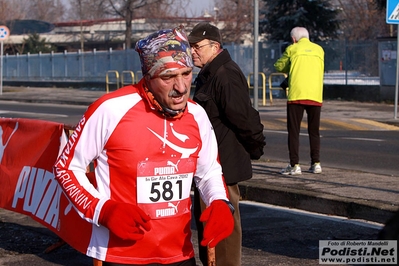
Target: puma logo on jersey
[(167, 211), (164, 170), (167, 170), (170, 204), (174, 165)]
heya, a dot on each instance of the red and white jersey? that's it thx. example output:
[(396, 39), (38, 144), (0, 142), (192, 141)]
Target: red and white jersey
[(146, 159)]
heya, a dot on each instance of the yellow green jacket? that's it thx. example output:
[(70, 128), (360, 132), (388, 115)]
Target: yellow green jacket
[(304, 63)]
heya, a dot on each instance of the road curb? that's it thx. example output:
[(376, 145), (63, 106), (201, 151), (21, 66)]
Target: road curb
[(316, 202)]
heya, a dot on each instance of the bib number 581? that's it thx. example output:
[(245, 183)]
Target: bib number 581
[(166, 190)]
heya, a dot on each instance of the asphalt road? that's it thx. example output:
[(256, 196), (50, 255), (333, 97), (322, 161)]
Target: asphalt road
[(344, 144), (271, 236), (368, 151)]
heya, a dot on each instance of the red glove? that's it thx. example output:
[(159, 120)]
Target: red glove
[(219, 223), (124, 220)]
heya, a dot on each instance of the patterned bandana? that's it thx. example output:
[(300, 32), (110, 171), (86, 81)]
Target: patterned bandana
[(164, 51)]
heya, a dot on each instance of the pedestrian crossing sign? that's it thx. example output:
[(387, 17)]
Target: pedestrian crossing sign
[(392, 12)]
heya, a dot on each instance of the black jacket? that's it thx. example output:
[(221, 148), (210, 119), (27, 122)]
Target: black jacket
[(221, 88)]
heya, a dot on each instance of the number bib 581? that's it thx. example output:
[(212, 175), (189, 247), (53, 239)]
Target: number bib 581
[(163, 187)]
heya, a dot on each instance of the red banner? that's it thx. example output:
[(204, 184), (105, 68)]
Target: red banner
[(28, 151)]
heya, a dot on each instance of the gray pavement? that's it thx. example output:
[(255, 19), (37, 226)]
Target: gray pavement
[(352, 194)]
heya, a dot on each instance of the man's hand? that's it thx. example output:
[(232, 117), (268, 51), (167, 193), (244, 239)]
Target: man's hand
[(219, 223), (124, 220)]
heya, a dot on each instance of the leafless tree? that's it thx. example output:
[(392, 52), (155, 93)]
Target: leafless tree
[(164, 15), (238, 16), (361, 20), (131, 9), (87, 9), (11, 9), (46, 10)]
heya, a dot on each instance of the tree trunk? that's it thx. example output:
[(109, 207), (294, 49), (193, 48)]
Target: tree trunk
[(128, 33)]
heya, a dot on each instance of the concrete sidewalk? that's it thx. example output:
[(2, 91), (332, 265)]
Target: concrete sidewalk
[(352, 194)]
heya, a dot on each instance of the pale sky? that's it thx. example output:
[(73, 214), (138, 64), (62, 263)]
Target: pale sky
[(197, 7)]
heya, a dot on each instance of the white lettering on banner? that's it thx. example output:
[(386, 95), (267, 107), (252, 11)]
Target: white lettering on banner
[(40, 194), (4, 145)]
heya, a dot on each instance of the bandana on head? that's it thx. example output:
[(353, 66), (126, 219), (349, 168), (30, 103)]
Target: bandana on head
[(164, 51)]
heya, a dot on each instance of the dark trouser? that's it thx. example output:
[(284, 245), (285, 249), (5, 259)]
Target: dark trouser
[(294, 119), (228, 251), (190, 262)]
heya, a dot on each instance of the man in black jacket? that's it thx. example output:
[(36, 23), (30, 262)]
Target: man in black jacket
[(221, 88)]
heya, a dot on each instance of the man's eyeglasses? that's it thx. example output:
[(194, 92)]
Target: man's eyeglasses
[(197, 48)]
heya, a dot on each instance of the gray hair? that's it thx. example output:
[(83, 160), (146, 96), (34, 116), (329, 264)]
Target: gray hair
[(299, 33)]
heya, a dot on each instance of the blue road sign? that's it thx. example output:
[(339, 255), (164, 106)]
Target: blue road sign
[(392, 12)]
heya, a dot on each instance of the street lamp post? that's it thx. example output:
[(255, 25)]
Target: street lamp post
[(256, 52)]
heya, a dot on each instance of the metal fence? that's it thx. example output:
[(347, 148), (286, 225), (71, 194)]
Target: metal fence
[(345, 63)]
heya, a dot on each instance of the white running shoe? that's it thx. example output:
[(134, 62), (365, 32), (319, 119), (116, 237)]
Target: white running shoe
[(292, 170), (315, 168)]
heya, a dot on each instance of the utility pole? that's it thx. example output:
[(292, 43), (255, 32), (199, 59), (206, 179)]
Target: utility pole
[(256, 52)]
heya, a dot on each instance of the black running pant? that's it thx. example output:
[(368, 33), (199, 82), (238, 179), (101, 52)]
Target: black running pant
[(294, 118)]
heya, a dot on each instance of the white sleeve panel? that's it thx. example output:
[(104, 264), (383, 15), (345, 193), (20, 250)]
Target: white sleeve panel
[(95, 129), (208, 176)]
